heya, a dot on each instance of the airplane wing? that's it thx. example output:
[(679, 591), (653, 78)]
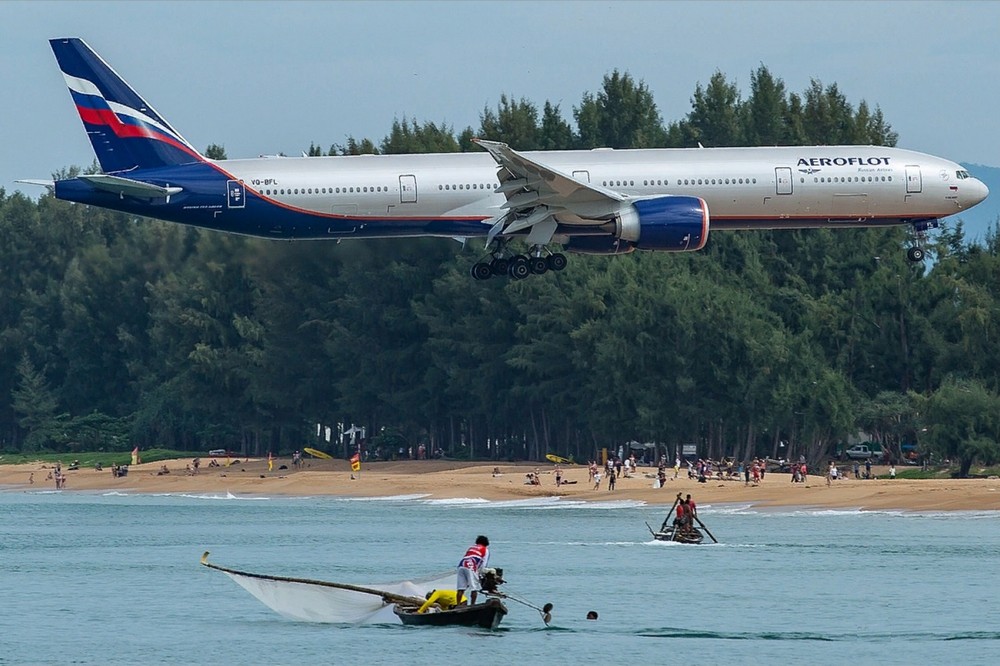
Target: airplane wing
[(128, 186), (538, 196)]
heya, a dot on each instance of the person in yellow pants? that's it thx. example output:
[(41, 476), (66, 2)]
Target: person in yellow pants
[(446, 599)]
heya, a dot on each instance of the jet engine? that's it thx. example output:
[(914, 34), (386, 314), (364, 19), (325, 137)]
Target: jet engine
[(665, 224), (598, 245)]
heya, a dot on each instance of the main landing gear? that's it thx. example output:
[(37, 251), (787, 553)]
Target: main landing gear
[(916, 253), (518, 266)]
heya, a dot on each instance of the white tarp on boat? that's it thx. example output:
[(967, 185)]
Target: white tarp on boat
[(311, 602)]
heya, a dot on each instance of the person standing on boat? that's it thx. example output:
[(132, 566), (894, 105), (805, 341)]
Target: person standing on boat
[(476, 558), (690, 511), (679, 520)]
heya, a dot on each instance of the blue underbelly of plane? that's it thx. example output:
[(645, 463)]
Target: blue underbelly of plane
[(205, 203)]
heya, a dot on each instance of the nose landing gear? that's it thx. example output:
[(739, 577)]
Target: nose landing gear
[(916, 252)]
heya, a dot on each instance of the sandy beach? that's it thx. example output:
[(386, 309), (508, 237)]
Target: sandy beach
[(451, 479)]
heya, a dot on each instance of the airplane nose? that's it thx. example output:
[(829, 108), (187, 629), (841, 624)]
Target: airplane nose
[(981, 192)]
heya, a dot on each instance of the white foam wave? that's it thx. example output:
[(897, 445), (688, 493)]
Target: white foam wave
[(455, 501), (227, 496), (535, 503), (390, 498)]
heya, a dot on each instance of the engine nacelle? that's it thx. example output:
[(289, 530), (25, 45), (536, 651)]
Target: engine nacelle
[(598, 245), (666, 223)]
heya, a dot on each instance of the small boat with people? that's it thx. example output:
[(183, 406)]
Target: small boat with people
[(680, 526), (486, 615), (671, 533), (426, 602)]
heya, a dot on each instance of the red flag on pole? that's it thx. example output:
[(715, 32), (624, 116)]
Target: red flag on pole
[(356, 462)]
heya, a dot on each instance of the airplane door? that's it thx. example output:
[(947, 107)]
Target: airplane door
[(913, 183), (236, 194), (783, 180), (582, 176), (407, 189)]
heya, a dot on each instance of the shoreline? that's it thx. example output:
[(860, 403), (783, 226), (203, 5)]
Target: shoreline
[(441, 479)]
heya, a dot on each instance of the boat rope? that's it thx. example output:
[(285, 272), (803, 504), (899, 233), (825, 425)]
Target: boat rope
[(546, 611)]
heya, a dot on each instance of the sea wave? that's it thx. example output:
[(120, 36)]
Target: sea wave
[(535, 503), (388, 498)]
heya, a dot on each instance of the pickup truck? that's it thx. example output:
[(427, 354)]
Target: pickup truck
[(862, 452)]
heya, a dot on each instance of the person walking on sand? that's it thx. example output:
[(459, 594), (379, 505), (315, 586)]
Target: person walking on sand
[(597, 480), (611, 481), (558, 476), (476, 559)]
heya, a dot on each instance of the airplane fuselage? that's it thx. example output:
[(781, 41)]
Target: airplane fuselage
[(452, 194), (589, 201)]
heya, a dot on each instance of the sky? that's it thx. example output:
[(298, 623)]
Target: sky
[(269, 77)]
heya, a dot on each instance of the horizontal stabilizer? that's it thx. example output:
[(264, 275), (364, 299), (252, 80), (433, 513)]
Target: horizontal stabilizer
[(128, 187), (34, 181)]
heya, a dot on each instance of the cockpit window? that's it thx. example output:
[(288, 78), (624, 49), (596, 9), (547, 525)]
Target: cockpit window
[(962, 175)]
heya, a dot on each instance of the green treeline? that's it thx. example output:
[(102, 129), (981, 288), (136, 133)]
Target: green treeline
[(117, 332)]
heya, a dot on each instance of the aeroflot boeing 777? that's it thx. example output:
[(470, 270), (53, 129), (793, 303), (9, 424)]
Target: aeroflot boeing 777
[(591, 201)]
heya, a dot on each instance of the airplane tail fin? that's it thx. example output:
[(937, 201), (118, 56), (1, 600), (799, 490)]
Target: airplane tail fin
[(126, 132)]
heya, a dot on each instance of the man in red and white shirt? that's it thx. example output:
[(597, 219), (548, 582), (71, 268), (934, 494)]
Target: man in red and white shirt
[(476, 559)]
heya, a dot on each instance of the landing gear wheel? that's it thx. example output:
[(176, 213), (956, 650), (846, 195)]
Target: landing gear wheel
[(519, 268), (915, 254), (481, 271), (556, 262), (500, 266), (538, 265)]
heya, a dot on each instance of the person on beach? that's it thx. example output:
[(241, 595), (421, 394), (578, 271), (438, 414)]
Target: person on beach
[(597, 480), (476, 558), (611, 481), (892, 471), (558, 476)]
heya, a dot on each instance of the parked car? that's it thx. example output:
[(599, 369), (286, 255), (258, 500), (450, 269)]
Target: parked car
[(862, 452)]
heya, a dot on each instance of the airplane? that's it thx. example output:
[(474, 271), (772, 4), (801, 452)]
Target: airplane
[(599, 201)]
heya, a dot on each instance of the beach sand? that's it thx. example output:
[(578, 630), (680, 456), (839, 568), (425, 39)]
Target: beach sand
[(451, 479)]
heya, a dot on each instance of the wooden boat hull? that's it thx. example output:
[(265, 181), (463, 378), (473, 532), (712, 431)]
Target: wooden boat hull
[(692, 536), (486, 615)]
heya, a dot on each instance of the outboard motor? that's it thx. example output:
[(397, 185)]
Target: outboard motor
[(491, 579)]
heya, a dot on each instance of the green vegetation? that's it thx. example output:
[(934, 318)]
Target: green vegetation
[(119, 332), (89, 459)]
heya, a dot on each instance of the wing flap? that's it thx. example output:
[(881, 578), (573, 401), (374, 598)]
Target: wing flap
[(537, 194)]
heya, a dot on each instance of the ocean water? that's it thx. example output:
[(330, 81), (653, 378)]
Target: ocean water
[(114, 579)]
